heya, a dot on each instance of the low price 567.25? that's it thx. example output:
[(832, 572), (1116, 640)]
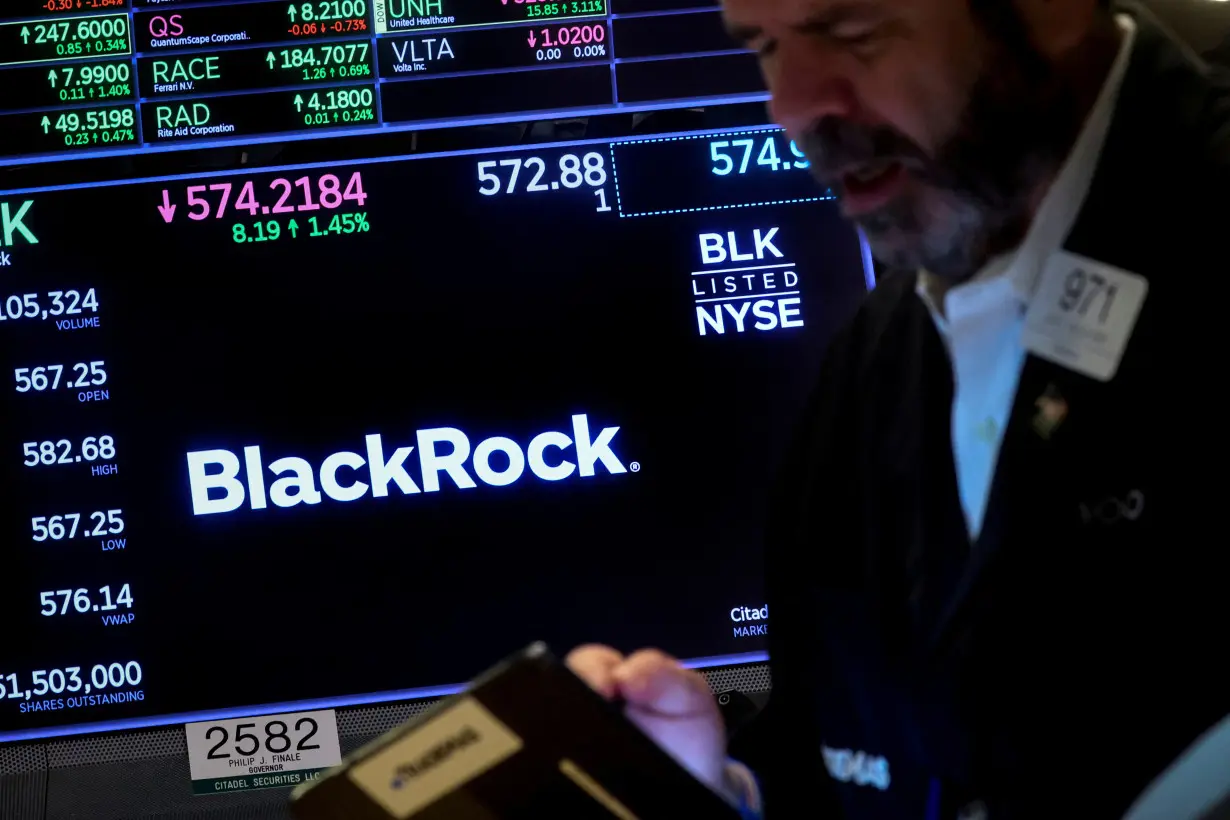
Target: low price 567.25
[(68, 526)]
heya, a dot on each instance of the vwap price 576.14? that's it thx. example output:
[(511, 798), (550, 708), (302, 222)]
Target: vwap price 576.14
[(81, 601)]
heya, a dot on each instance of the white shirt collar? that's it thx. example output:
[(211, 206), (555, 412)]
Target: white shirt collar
[(1059, 208)]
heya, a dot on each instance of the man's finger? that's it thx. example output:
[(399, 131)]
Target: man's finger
[(595, 664), (654, 681)]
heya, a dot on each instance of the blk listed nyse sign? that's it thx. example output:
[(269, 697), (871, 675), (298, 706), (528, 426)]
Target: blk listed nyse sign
[(745, 283), (214, 476)]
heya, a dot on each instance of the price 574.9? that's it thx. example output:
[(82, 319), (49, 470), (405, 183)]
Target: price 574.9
[(51, 453), (736, 156)]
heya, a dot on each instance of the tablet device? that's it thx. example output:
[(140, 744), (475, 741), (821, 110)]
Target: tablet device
[(527, 740)]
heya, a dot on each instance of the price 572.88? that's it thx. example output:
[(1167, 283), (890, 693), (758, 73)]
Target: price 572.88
[(50, 453)]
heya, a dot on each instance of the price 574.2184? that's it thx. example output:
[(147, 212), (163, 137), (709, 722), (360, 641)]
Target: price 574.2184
[(278, 196)]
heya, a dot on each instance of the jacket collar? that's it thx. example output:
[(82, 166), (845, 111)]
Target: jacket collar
[(1160, 125)]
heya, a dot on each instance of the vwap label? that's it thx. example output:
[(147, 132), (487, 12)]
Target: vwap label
[(217, 487)]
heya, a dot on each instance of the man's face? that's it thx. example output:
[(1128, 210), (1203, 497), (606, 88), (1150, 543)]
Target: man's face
[(933, 125)]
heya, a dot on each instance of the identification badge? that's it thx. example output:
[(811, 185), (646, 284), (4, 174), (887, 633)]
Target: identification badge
[(1083, 314), (261, 752)]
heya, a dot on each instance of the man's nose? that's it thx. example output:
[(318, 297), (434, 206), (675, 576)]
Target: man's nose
[(807, 86)]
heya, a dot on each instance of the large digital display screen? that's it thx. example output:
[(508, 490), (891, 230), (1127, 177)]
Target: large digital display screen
[(306, 433), (100, 77)]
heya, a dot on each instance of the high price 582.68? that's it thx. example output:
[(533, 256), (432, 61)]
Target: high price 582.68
[(63, 451)]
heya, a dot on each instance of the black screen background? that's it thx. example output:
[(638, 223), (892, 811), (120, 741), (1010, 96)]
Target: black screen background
[(497, 315)]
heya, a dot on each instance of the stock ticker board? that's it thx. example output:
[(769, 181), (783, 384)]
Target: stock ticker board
[(339, 427), (88, 77)]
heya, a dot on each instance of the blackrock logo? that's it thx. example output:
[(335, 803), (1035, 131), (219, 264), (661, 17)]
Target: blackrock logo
[(221, 483), (752, 621)]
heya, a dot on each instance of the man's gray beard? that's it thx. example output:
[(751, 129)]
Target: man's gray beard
[(954, 245)]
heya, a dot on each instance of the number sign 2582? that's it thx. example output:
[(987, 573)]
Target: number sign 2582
[(235, 747), (277, 738)]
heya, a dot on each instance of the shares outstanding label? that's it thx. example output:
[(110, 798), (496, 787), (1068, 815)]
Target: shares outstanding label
[(261, 752)]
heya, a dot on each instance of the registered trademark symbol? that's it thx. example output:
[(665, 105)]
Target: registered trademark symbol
[(635, 466)]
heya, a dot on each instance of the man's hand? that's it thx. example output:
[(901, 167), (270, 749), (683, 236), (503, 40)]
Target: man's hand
[(671, 704)]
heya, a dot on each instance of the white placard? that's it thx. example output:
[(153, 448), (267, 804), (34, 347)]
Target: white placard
[(261, 752), (1083, 314)]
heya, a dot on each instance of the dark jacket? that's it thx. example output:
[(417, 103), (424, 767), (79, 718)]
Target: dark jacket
[(1055, 666)]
